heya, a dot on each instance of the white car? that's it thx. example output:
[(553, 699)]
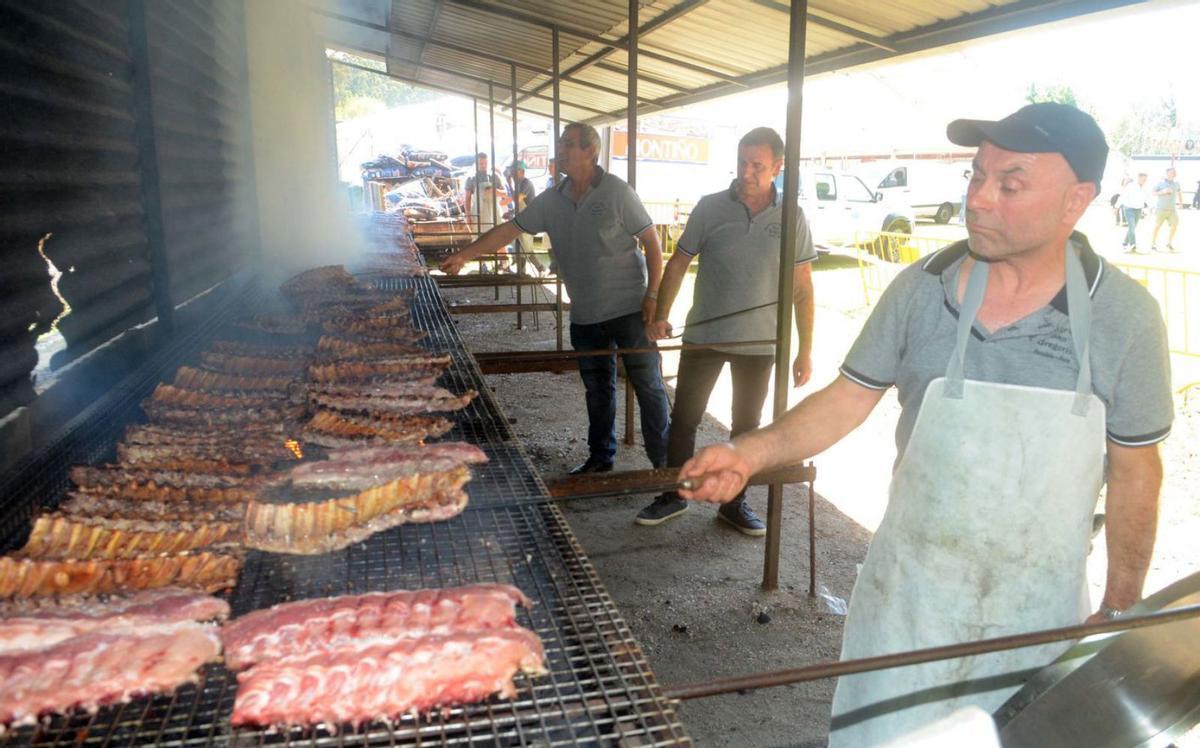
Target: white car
[(840, 208)]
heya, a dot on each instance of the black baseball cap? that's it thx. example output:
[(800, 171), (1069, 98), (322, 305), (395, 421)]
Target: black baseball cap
[(1042, 128)]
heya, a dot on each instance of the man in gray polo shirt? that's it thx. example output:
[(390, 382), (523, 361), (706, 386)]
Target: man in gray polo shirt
[(1168, 194), (1029, 372), (735, 233), (594, 221)]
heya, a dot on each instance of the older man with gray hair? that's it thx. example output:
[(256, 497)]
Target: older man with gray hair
[(595, 221)]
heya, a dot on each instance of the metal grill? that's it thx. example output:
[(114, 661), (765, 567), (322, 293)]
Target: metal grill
[(600, 689)]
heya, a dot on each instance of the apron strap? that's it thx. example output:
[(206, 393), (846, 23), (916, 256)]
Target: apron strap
[(1079, 311), (1079, 307), (972, 300)]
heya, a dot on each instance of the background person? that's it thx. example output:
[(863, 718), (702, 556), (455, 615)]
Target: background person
[(735, 233), (594, 221), (1169, 194)]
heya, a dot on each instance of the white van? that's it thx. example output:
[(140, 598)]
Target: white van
[(839, 206), (932, 189)]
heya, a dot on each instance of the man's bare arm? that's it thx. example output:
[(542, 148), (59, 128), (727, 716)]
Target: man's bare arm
[(672, 280), (491, 241), (814, 425), (802, 302), (654, 262), (1131, 509)]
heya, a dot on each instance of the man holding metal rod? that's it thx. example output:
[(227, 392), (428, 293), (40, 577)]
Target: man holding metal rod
[(735, 233), (595, 221), (1029, 373)]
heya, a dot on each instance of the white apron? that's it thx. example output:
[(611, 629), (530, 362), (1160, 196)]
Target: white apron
[(483, 210), (986, 533)]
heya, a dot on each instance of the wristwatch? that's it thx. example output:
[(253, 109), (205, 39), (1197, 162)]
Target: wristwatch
[(1110, 612)]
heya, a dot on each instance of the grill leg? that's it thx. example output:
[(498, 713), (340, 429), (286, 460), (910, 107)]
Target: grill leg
[(629, 397), (774, 532), (812, 538)]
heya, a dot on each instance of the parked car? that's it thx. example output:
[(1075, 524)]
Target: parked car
[(841, 210), (931, 189)]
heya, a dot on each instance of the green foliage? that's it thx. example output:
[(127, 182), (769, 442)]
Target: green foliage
[(358, 92), (1054, 92), (1149, 125)]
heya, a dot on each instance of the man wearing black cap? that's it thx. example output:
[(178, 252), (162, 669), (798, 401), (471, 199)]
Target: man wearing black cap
[(1029, 373)]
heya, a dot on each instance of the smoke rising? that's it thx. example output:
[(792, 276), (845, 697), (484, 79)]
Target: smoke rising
[(304, 217)]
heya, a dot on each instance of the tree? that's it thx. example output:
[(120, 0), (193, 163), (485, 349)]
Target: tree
[(1149, 125), (357, 92), (1055, 92)]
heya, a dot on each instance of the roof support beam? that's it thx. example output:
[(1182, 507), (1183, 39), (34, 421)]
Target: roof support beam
[(423, 84), (831, 24), (430, 41), (533, 20), (663, 19)]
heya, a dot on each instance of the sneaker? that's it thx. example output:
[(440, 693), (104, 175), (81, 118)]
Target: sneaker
[(1171, 249), (592, 465), (663, 509), (1155, 249), (740, 515)]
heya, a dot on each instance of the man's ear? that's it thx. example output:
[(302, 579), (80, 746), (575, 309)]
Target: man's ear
[(1077, 199)]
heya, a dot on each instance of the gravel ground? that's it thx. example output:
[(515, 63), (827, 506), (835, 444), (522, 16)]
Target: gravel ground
[(690, 589)]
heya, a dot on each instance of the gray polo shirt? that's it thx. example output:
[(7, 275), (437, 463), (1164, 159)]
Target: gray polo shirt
[(738, 269), (1169, 200), (594, 245), (910, 335)]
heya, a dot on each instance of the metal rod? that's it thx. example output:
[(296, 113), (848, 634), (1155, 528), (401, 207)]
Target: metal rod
[(812, 538), (517, 355), (631, 108), (475, 193), (932, 654), (516, 192), (492, 170), (558, 310), (787, 261)]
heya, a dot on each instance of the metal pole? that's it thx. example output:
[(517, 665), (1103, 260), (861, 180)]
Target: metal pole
[(491, 171), (516, 189), (558, 289), (932, 654), (787, 261), (149, 177), (631, 169), (475, 195)]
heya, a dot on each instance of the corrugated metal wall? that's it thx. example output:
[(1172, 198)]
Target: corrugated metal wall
[(198, 64), (71, 135)]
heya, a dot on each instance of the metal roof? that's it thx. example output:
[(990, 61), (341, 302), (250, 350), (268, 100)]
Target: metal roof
[(688, 50)]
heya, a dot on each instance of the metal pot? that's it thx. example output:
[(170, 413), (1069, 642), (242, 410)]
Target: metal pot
[(1134, 689)]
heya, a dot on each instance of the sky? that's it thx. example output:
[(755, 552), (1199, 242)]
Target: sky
[(1110, 59)]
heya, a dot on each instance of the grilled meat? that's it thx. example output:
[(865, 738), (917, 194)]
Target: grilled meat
[(332, 429), (100, 667), (362, 468), (118, 481), (406, 367), (38, 623), (273, 324), (331, 348), (74, 536), (230, 456), (209, 571), (263, 348), (252, 366), (198, 379), (368, 680), (172, 508), (328, 623), (320, 526), (388, 398)]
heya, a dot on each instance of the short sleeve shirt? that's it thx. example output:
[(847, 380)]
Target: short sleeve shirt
[(910, 335), (526, 192), (1168, 201), (738, 270), (594, 245)]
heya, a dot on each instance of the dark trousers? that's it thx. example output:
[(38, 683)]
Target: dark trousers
[(599, 374), (698, 372)]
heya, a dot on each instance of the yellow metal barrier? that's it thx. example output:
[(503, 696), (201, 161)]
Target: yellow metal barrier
[(883, 254), (669, 219), (1178, 296)]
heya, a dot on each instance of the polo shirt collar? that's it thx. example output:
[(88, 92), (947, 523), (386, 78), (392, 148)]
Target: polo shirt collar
[(1093, 267), (733, 193), (597, 176)]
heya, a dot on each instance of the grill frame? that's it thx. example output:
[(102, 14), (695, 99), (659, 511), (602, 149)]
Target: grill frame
[(600, 689)]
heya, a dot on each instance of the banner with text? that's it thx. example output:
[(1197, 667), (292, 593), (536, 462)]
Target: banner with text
[(683, 149)]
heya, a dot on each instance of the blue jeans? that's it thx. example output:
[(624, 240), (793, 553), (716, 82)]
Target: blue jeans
[(1131, 220), (599, 374)]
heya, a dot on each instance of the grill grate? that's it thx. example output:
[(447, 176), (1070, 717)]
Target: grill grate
[(600, 689)]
